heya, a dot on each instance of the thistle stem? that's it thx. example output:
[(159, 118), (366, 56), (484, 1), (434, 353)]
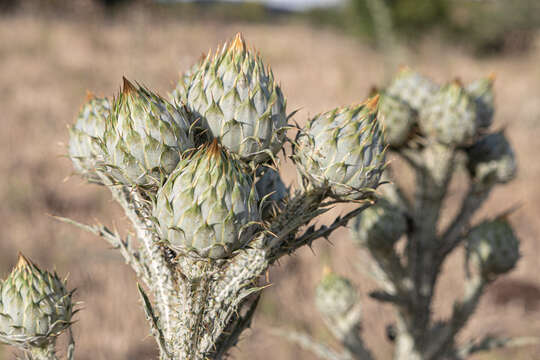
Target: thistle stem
[(46, 352)]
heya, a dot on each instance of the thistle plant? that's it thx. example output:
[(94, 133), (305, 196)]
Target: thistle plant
[(437, 131), (198, 177)]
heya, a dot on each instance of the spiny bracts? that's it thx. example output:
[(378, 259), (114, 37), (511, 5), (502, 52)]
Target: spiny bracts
[(380, 226), (84, 148), (344, 150), (412, 88), (335, 295), (397, 118), (482, 92), (209, 206), (491, 160), (235, 98), (35, 306), (145, 137), (493, 247), (449, 117)]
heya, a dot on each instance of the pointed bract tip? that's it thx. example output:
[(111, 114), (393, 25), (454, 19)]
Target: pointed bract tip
[(404, 68), (373, 103), (127, 86), (90, 95), (22, 262), (374, 90), (214, 148), (238, 44), (326, 270), (457, 81)]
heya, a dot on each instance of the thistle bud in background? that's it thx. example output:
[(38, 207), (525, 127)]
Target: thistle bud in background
[(397, 118), (145, 136), (379, 227), (209, 204), (271, 190), (234, 95), (35, 306), (450, 116), (84, 148), (412, 88), (343, 149), (335, 295), (482, 92), (492, 160), (492, 248)]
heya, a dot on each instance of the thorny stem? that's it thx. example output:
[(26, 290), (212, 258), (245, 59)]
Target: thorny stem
[(432, 179), (473, 200), (46, 352), (460, 315)]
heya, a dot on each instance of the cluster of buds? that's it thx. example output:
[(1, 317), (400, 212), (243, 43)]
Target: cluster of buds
[(198, 176), (433, 128)]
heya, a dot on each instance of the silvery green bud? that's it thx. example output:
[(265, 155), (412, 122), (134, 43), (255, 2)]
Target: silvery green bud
[(209, 206), (236, 99), (492, 160), (449, 116), (35, 306), (397, 118), (343, 150), (379, 227), (482, 92), (492, 247), (412, 88), (84, 148), (145, 137), (335, 295)]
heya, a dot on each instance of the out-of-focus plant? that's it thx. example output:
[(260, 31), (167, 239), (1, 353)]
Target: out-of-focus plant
[(484, 27), (438, 131)]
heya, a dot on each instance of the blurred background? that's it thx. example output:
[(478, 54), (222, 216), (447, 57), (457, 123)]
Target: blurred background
[(325, 53)]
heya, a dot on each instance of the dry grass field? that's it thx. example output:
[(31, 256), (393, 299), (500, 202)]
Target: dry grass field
[(48, 64)]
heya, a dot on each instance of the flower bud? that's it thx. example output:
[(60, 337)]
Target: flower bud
[(492, 247), (35, 306), (379, 227), (335, 295), (449, 116), (343, 150), (492, 160)]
